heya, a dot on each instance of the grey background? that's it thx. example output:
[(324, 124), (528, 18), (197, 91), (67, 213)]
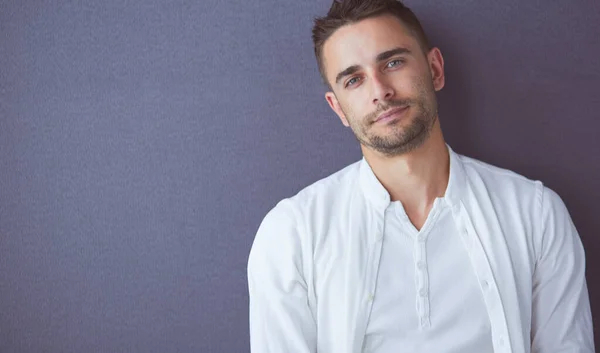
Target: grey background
[(142, 142)]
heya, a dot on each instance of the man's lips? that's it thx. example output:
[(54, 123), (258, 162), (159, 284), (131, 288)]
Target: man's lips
[(390, 114)]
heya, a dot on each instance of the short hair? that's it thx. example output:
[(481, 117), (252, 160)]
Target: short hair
[(343, 12)]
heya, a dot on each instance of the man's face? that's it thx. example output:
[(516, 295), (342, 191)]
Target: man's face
[(383, 84)]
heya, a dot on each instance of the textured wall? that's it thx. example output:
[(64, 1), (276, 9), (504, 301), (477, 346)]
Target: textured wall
[(142, 142)]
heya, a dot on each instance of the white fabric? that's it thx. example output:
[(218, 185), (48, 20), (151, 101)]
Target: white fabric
[(315, 259), (425, 279)]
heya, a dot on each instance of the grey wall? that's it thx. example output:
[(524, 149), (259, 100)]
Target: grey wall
[(142, 142)]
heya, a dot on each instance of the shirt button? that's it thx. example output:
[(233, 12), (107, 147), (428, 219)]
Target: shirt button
[(423, 292), (421, 238), (371, 297), (421, 265), (485, 284), (501, 341)]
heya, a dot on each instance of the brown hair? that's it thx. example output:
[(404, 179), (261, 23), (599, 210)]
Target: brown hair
[(343, 12)]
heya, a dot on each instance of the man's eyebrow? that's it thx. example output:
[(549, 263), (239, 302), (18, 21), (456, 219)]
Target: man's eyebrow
[(381, 57), (389, 53), (348, 71)]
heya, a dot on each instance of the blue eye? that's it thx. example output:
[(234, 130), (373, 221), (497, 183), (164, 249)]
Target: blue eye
[(394, 63), (351, 81)]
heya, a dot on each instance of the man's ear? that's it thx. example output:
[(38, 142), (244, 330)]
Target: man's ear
[(436, 65), (335, 106)]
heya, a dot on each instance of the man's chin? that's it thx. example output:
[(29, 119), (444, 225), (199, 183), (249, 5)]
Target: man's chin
[(396, 146)]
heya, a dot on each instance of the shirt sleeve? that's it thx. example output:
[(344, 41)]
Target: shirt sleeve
[(280, 317), (561, 316)]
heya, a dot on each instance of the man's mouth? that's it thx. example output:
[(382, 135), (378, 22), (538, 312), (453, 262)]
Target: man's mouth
[(391, 114)]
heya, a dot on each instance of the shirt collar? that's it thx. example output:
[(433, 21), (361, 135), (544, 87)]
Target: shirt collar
[(380, 198)]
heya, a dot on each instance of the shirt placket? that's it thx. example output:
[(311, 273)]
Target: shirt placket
[(491, 294), (422, 280)]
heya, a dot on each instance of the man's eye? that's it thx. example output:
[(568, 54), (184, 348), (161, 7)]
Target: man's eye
[(394, 63), (352, 81)]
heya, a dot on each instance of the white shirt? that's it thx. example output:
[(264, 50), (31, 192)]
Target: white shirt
[(315, 259), (425, 278)]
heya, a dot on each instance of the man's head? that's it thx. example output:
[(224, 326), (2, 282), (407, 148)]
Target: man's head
[(344, 12), (376, 59)]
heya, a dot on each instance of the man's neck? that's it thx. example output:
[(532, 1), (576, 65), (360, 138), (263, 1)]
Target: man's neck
[(416, 178)]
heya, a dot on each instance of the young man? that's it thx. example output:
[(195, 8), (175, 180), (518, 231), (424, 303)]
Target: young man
[(415, 248)]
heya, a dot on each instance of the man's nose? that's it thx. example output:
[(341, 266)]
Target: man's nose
[(382, 89)]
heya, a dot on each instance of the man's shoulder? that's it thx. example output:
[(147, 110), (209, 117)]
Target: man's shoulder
[(500, 183), (330, 185), (475, 168), (322, 192)]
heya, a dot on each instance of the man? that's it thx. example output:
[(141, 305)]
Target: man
[(415, 248)]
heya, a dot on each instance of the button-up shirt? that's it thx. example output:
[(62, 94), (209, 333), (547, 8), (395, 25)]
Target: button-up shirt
[(315, 260), (424, 280)]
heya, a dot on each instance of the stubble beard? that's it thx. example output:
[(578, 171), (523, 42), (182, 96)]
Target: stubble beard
[(400, 140)]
